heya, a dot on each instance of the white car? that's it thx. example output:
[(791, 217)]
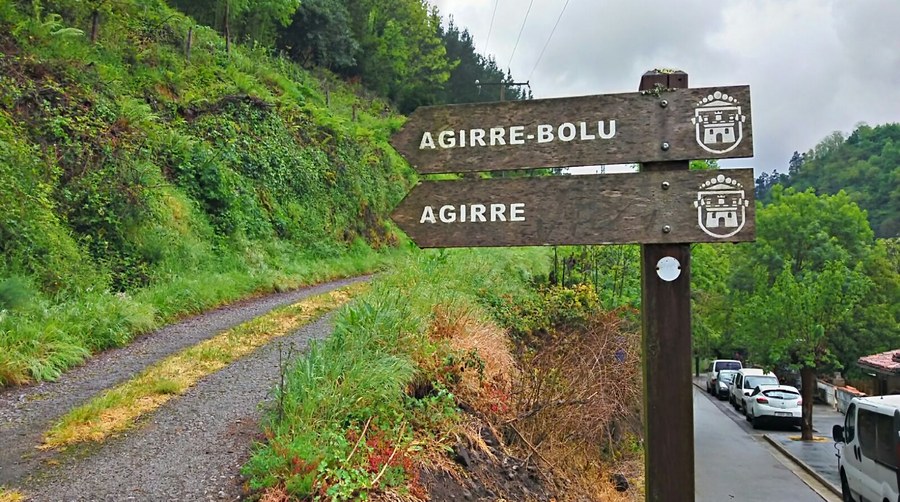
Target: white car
[(744, 382), (774, 404)]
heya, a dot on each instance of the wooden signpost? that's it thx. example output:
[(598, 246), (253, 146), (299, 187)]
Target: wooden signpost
[(665, 207)]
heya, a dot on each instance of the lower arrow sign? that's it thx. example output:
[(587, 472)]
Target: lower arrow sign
[(644, 208)]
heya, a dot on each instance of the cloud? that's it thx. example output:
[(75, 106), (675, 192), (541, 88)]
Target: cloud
[(814, 66)]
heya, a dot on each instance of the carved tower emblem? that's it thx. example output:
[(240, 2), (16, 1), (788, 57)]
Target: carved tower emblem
[(721, 206), (719, 123)]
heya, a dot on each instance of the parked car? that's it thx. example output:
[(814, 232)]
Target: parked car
[(869, 458), (724, 379), (774, 404), (744, 382), (716, 366)]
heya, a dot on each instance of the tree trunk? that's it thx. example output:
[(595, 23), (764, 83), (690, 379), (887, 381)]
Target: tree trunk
[(808, 392), (227, 31), (188, 42), (95, 25)]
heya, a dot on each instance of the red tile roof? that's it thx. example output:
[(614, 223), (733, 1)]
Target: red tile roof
[(886, 362)]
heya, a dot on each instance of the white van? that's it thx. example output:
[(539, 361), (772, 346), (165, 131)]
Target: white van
[(870, 454)]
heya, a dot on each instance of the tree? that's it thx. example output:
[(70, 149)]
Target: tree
[(795, 289), (402, 57), (866, 165), (794, 321), (254, 20), (320, 34)]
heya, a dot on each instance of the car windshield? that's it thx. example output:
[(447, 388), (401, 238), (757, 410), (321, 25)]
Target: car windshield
[(752, 381), (726, 377), (785, 394), (728, 365)]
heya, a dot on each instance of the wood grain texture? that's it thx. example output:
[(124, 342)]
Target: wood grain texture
[(642, 126), (666, 348), (568, 210)]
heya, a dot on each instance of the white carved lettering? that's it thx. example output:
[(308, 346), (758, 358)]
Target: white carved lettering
[(497, 134), (427, 141), (427, 215), (601, 130), (517, 135), (447, 214), (498, 212), (566, 131), (478, 213), (584, 132), (517, 211), (545, 133), (477, 136), (446, 139)]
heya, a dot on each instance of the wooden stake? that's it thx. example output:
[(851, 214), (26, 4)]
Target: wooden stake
[(666, 321)]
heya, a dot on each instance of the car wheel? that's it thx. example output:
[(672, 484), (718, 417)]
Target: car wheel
[(845, 488), (748, 416), (754, 422)]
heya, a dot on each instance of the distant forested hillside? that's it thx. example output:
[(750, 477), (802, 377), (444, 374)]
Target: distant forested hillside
[(865, 164), (400, 49)]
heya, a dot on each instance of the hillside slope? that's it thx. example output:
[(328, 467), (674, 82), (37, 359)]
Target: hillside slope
[(137, 184), (865, 164)]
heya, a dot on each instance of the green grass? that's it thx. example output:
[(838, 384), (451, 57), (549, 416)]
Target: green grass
[(345, 422), (40, 341), (137, 187)]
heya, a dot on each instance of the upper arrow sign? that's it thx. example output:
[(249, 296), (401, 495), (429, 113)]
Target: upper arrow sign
[(679, 124)]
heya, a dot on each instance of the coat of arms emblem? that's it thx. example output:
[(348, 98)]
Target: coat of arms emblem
[(719, 123), (721, 206)]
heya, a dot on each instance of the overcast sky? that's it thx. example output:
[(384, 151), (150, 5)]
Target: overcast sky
[(813, 66)]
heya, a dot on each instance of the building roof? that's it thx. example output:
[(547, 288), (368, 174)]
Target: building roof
[(886, 362)]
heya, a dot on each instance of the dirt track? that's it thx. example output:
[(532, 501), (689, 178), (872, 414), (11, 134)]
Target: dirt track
[(188, 450)]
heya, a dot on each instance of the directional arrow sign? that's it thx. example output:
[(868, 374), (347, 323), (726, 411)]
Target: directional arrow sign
[(678, 124), (646, 208)]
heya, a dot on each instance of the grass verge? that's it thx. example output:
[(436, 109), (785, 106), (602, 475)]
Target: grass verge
[(44, 337), (117, 408)]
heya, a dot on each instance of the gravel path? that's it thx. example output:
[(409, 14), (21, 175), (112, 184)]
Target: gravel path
[(25, 413), (191, 449)]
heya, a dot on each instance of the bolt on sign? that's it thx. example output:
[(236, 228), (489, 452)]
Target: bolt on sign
[(650, 126)]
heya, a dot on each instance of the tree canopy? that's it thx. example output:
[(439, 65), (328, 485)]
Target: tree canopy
[(865, 165)]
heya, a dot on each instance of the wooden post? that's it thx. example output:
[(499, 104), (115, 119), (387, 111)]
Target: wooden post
[(666, 321)]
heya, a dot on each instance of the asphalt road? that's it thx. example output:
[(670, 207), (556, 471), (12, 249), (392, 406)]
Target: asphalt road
[(731, 464)]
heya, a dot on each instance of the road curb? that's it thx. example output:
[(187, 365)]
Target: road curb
[(809, 470)]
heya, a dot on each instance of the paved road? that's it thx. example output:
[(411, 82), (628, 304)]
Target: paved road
[(733, 465), (818, 455)]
